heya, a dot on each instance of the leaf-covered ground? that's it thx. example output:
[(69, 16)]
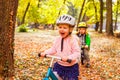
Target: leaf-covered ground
[(104, 54)]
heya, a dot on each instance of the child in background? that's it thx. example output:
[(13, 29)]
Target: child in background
[(65, 46), (85, 41)]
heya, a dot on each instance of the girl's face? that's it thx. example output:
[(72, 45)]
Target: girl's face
[(82, 30), (63, 30)]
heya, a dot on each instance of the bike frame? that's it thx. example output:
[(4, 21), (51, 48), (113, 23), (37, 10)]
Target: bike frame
[(82, 57), (50, 74)]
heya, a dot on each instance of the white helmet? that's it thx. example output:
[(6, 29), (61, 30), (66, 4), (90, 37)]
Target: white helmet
[(67, 19)]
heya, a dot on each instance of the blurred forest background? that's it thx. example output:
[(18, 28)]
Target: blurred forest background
[(99, 14)]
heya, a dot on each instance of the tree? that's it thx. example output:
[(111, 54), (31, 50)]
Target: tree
[(8, 10), (38, 3), (101, 15), (72, 11), (109, 22), (80, 13), (96, 17), (61, 8), (116, 15), (23, 19)]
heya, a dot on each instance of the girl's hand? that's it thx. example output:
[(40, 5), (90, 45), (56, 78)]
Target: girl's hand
[(64, 59), (86, 46), (42, 54)]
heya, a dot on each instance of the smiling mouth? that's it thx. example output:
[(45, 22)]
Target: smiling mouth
[(62, 33)]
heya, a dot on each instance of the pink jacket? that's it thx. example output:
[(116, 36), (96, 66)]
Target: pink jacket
[(71, 49)]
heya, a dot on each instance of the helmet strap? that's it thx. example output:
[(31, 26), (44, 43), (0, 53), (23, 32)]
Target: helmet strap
[(62, 41)]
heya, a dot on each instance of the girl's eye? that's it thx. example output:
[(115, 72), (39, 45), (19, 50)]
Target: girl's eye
[(64, 27), (60, 27)]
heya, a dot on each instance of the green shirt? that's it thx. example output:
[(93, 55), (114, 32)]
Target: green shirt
[(88, 40)]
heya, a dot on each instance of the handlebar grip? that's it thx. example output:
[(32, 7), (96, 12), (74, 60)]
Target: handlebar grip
[(69, 60), (39, 54), (82, 47)]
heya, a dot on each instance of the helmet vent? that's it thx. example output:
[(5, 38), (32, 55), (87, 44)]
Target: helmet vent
[(69, 19)]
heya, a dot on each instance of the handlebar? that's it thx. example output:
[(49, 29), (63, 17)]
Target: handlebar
[(51, 56), (55, 57), (82, 47)]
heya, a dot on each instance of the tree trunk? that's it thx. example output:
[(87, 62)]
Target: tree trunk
[(96, 26), (8, 10), (101, 15), (96, 17), (60, 9), (116, 16), (84, 18), (80, 14), (109, 22), (59, 13), (23, 19), (38, 3)]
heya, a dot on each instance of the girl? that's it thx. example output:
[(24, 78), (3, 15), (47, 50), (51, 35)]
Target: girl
[(65, 46)]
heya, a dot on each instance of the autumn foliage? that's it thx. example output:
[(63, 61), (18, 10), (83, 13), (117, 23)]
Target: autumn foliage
[(104, 54)]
